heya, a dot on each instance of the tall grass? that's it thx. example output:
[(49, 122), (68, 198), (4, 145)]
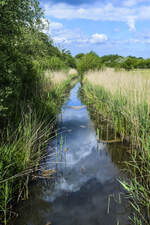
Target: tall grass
[(57, 76), (123, 98), (21, 149), (20, 155)]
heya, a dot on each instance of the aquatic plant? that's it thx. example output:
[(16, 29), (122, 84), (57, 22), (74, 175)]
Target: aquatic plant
[(22, 147), (123, 99)]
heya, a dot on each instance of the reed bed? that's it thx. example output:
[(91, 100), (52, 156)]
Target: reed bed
[(20, 156), (59, 76), (130, 83), (22, 149), (126, 94), (123, 98), (56, 76)]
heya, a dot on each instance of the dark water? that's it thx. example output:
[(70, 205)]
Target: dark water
[(86, 190)]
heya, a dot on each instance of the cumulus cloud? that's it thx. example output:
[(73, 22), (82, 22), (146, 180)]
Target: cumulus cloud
[(72, 37), (98, 38), (62, 35), (101, 11), (56, 26)]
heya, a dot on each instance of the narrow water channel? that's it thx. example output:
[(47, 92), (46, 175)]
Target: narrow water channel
[(86, 190)]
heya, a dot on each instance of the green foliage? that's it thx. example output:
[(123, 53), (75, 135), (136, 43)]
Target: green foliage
[(111, 60), (90, 61), (68, 59), (55, 63), (25, 51), (79, 56), (17, 19), (22, 149), (129, 63)]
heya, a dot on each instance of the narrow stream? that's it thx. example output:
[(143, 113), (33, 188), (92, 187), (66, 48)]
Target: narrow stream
[(86, 190)]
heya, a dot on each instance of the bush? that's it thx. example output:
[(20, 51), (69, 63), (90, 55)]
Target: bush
[(56, 63), (90, 61)]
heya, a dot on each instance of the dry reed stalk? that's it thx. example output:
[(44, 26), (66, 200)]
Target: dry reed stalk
[(135, 85), (56, 76)]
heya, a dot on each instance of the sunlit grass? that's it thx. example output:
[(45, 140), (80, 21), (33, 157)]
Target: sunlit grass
[(57, 77), (123, 98), (133, 84)]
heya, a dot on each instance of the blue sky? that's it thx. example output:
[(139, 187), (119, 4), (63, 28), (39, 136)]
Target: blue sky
[(106, 27)]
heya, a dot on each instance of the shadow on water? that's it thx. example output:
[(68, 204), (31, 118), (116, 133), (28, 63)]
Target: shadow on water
[(85, 190)]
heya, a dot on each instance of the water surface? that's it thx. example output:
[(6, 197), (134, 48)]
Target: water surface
[(85, 190)]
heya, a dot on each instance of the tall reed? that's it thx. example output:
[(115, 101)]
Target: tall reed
[(123, 98), (22, 147)]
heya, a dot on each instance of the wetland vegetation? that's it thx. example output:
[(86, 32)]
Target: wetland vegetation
[(31, 94), (122, 98), (35, 80)]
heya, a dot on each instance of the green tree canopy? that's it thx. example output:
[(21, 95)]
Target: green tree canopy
[(90, 61)]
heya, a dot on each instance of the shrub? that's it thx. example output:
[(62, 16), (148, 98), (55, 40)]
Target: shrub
[(90, 61)]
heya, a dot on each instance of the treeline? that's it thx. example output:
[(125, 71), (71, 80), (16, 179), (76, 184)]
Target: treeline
[(91, 61), (25, 51)]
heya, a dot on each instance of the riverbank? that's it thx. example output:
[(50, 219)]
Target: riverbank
[(85, 183), (22, 149), (123, 99)]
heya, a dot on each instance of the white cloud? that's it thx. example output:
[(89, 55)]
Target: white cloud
[(56, 26), (86, 40), (98, 38), (131, 24), (72, 37), (101, 12), (45, 25), (81, 11), (61, 40), (64, 37), (61, 35), (130, 3)]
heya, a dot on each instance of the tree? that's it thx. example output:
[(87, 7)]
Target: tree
[(67, 58), (17, 17), (90, 61), (79, 56)]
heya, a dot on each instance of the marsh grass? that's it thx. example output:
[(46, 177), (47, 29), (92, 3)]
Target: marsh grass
[(56, 76), (23, 147), (20, 156), (123, 99)]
